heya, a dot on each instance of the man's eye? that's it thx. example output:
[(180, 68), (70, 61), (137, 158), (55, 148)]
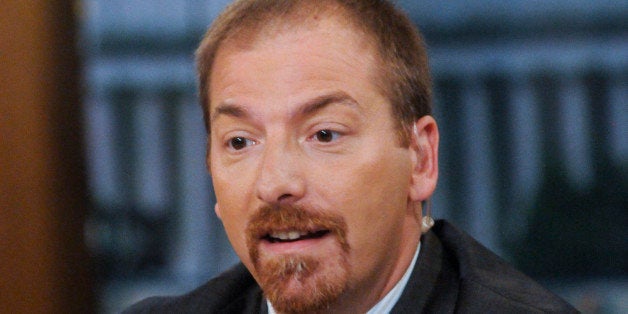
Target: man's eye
[(239, 142), (326, 136)]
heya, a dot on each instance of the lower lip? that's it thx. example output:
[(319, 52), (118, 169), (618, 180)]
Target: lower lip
[(300, 246)]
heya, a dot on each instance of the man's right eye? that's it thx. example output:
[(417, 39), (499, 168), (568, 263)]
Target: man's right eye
[(238, 143)]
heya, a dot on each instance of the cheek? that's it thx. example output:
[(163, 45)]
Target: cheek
[(233, 183), (369, 190), (235, 225), (231, 196)]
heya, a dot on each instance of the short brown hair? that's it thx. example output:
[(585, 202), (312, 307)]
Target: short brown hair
[(402, 54)]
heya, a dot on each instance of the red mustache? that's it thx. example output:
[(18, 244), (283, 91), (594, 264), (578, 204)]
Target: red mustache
[(283, 218)]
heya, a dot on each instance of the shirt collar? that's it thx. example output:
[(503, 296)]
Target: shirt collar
[(386, 304)]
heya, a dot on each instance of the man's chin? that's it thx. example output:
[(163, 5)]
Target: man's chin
[(302, 284), (299, 257)]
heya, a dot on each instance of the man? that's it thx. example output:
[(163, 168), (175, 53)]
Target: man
[(322, 150)]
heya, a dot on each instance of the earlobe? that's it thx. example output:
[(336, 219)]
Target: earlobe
[(424, 150)]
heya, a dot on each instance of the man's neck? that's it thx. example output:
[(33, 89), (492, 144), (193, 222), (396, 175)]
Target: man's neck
[(386, 304)]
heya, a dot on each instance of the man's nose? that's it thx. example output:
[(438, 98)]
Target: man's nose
[(280, 178)]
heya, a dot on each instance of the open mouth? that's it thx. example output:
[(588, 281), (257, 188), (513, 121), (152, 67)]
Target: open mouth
[(293, 235)]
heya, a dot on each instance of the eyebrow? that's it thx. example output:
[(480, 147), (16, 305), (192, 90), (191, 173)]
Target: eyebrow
[(229, 109), (309, 107), (320, 102)]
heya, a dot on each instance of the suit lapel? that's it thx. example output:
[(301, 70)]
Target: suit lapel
[(433, 285)]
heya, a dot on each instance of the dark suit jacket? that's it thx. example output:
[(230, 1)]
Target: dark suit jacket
[(454, 274)]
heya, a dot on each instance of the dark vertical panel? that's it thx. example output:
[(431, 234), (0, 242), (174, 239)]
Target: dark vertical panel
[(498, 89), (546, 90), (124, 99), (544, 251), (606, 200), (171, 102), (597, 91), (448, 90)]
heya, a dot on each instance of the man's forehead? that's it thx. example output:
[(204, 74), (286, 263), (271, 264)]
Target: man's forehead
[(228, 68), (310, 106), (301, 66)]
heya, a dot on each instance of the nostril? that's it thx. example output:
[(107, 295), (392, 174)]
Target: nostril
[(284, 197)]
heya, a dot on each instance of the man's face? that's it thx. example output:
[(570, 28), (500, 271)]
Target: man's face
[(311, 182)]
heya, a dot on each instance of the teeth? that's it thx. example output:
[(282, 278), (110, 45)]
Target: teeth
[(290, 235)]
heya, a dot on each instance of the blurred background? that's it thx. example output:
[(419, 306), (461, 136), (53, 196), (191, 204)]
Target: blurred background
[(105, 196)]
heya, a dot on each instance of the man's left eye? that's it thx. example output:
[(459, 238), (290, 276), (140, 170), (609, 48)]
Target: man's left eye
[(326, 135)]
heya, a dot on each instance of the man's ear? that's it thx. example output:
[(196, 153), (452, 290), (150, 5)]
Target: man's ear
[(217, 211), (208, 162), (424, 155)]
